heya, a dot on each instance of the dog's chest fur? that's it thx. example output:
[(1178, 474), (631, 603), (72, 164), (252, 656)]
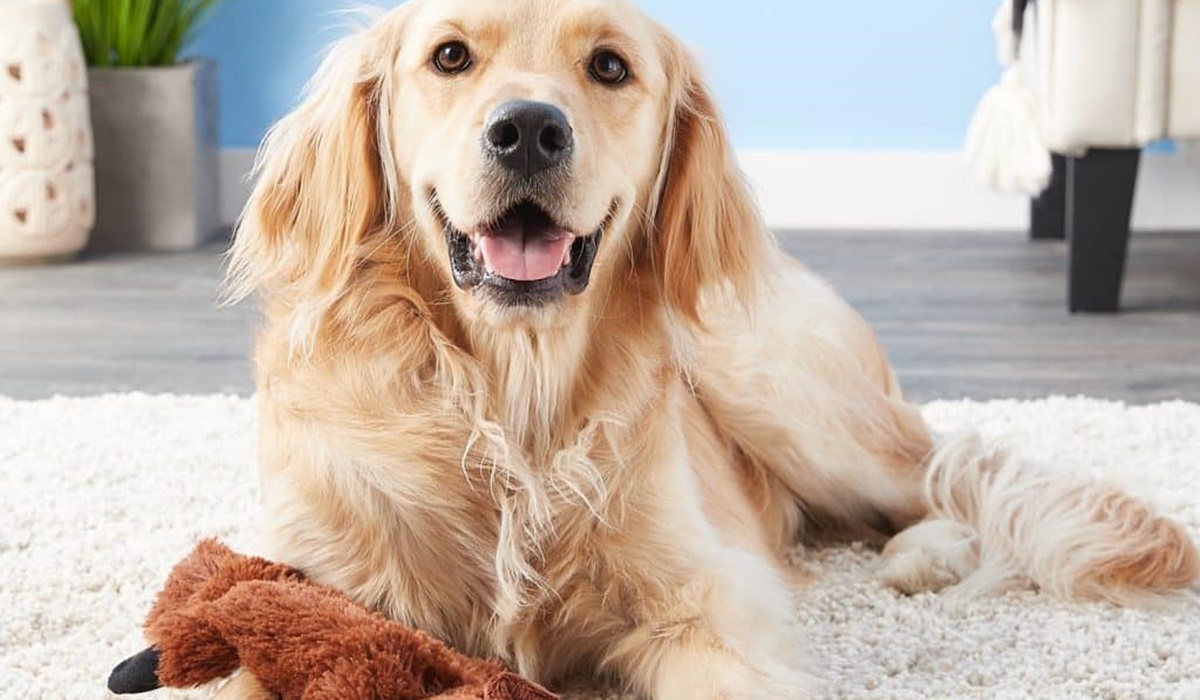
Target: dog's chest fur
[(487, 524)]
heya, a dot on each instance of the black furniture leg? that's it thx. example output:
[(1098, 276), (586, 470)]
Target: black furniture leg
[(1048, 211), (1099, 204)]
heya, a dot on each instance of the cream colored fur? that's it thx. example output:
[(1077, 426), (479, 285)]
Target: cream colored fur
[(604, 485)]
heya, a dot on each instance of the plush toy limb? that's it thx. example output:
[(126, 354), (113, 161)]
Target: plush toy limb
[(345, 650), (351, 678), (510, 686), (137, 674), (295, 640), (207, 573), (356, 681), (188, 652), (193, 650)]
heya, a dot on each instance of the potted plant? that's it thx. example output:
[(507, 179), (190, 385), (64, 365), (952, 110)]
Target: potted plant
[(154, 121)]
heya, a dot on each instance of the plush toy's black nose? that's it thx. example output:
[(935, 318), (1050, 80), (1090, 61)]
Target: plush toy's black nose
[(137, 674), (528, 137)]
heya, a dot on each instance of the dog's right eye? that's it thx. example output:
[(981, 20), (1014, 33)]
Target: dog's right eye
[(608, 68), (452, 57)]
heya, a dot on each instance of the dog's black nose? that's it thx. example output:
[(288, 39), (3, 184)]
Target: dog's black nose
[(528, 137)]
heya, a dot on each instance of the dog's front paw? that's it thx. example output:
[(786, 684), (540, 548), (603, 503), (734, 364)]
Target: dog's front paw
[(720, 675)]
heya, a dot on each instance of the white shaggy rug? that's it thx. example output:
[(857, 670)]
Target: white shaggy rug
[(101, 496)]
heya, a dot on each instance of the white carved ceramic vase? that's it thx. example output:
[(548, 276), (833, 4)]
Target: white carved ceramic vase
[(47, 185)]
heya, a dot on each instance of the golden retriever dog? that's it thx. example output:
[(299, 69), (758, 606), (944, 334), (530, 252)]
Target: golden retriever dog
[(535, 376)]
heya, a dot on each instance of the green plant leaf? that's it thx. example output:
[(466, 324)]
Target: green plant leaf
[(106, 51), (143, 12), (138, 32), (159, 47), (122, 15)]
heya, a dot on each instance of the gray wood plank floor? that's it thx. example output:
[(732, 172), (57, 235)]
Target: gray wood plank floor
[(962, 315)]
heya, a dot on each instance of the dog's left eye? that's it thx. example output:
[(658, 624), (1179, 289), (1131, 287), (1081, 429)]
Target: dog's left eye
[(608, 68), (452, 57)]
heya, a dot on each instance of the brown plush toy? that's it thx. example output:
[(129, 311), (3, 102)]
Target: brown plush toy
[(221, 610)]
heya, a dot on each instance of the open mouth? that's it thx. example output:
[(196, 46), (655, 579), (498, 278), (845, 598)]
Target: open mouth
[(522, 258)]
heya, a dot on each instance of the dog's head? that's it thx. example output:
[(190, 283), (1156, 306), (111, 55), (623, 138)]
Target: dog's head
[(519, 155)]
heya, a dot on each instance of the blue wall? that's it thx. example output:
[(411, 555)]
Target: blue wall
[(790, 74)]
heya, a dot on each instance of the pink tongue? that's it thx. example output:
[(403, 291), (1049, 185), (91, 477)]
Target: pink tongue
[(521, 255)]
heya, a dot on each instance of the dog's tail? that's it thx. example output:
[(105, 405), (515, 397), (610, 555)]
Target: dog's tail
[(1072, 536)]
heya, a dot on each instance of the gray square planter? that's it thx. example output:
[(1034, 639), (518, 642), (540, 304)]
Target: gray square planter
[(156, 157)]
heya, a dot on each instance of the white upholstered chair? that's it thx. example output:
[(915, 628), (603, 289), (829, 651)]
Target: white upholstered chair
[(1090, 83)]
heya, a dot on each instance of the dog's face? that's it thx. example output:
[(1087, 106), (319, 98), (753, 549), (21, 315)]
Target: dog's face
[(528, 132), (520, 154)]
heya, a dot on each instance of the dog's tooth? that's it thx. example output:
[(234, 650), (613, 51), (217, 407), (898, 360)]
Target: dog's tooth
[(567, 255)]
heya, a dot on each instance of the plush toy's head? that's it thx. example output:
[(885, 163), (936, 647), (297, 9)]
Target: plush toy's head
[(220, 610)]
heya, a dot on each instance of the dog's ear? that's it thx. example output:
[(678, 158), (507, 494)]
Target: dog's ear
[(319, 181), (709, 236)]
